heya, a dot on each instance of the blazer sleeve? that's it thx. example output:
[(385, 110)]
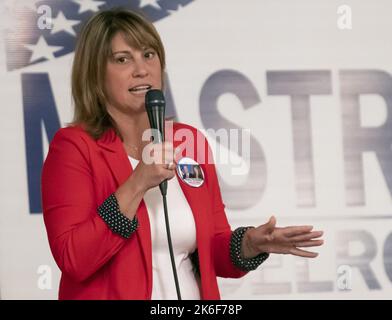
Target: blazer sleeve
[(224, 266), (80, 241)]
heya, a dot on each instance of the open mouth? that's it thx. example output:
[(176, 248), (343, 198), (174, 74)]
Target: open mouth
[(140, 89)]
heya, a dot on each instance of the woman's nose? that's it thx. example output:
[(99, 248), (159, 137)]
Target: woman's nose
[(140, 70)]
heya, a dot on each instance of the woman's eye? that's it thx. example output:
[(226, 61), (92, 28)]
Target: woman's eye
[(121, 60), (149, 54)]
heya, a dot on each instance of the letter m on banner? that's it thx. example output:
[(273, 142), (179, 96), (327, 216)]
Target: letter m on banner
[(39, 111)]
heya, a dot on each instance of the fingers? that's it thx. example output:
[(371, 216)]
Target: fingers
[(311, 243), (303, 253), (306, 237), (265, 230), (270, 225), (169, 175), (165, 172), (160, 153), (167, 153), (295, 230), (170, 166)]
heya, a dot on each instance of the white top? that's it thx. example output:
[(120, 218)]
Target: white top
[(183, 236)]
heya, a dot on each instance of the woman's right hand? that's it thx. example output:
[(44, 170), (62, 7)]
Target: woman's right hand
[(157, 164), (152, 169)]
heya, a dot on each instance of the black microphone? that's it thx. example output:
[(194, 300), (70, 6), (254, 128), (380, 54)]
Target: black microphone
[(155, 107)]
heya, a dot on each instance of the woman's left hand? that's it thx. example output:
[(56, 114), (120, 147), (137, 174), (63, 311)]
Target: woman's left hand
[(288, 240)]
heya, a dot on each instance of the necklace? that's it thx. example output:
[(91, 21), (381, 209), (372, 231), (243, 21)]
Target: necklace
[(133, 151), (132, 147)]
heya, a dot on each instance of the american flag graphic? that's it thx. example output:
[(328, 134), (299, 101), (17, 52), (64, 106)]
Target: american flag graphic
[(37, 31)]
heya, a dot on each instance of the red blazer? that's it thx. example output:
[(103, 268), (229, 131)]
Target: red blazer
[(79, 173)]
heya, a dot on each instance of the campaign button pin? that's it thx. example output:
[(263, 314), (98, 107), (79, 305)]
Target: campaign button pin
[(190, 172)]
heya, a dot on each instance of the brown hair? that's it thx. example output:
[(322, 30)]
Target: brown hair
[(93, 49)]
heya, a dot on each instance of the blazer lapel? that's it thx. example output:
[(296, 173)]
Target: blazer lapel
[(195, 196), (198, 201), (115, 156), (120, 166)]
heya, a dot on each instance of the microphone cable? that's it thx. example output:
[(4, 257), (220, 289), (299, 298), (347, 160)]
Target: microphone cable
[(169, 242)]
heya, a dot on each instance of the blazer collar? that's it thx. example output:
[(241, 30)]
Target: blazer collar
[(109, 141)]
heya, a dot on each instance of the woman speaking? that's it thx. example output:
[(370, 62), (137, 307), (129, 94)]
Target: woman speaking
[(102, 208)]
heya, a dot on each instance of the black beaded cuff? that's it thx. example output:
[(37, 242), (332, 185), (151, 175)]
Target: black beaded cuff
[(110, 212), (235, 252)]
